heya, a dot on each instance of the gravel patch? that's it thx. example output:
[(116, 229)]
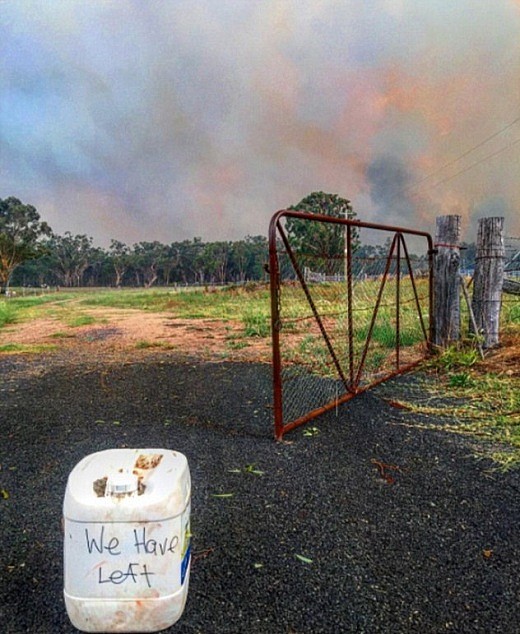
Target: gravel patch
[(404, 528)]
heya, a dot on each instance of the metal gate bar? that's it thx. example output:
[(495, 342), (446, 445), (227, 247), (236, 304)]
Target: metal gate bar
[(340, 365)]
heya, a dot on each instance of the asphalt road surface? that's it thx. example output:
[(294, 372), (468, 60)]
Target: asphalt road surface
[(371, 525)]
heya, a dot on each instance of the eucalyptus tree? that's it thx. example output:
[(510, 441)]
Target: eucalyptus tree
[(216, 257), (191, 264), (321, 240), (146, 261), (70, 256), (99, 269), (258, 251), (120, 258), (170, 262), (21, 231), (248, 258)]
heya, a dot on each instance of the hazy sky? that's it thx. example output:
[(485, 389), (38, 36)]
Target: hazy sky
[(169, 119)]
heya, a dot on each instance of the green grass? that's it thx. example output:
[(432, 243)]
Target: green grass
[(16, 348), (467, 399), (226, 304), (384, 334), (461, 380), (76, 321), (251, 307), (62, 335), (456, 357), (33, 301), (7, 313), (256, 323), (237, 345), (312, 352), (144, 344), (20, 309)]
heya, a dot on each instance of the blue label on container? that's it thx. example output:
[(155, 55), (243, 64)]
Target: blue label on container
[(185, 564)]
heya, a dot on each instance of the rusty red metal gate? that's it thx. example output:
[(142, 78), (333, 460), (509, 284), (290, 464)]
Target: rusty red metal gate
[(351, 306)]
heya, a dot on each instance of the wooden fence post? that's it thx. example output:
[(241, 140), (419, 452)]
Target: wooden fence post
[(446, 283), (488, 279)]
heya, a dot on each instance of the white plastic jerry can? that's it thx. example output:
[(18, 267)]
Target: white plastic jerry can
[(127, 540)]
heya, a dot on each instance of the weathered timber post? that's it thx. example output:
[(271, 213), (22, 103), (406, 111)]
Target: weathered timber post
[(446, 284), (488, 279)]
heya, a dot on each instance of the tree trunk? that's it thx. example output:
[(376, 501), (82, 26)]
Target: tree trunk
[(489, 278), (119, 275), (446, 285), (150, 280)]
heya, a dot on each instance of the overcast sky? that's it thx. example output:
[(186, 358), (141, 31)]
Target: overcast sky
[(166, 120)]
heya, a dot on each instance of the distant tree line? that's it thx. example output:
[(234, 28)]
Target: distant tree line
[(31, 254), (73, 260)]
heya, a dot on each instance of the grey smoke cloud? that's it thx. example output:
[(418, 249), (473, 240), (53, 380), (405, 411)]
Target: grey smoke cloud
[(389, 178), (169, 120)]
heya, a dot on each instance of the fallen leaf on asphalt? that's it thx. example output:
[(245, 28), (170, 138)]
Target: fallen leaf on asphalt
[(384, 469), (251, 468), (487, 553), (397, 404), (202, 554), (305, 560)]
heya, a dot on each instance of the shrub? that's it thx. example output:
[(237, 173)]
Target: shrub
[(7, 314), (256, 324)]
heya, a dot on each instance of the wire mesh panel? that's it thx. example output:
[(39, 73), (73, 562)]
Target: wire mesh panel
[(350, 307)]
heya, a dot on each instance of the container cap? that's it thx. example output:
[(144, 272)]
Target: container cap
[(123, 483)]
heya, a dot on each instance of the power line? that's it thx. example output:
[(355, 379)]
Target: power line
[(458, 158), (466, 169), (475, 147)]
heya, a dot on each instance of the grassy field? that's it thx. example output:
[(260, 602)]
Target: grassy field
[(479, 398), (475, 397), (70, 307)]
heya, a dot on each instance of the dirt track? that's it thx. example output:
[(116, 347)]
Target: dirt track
[(135, 333)]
